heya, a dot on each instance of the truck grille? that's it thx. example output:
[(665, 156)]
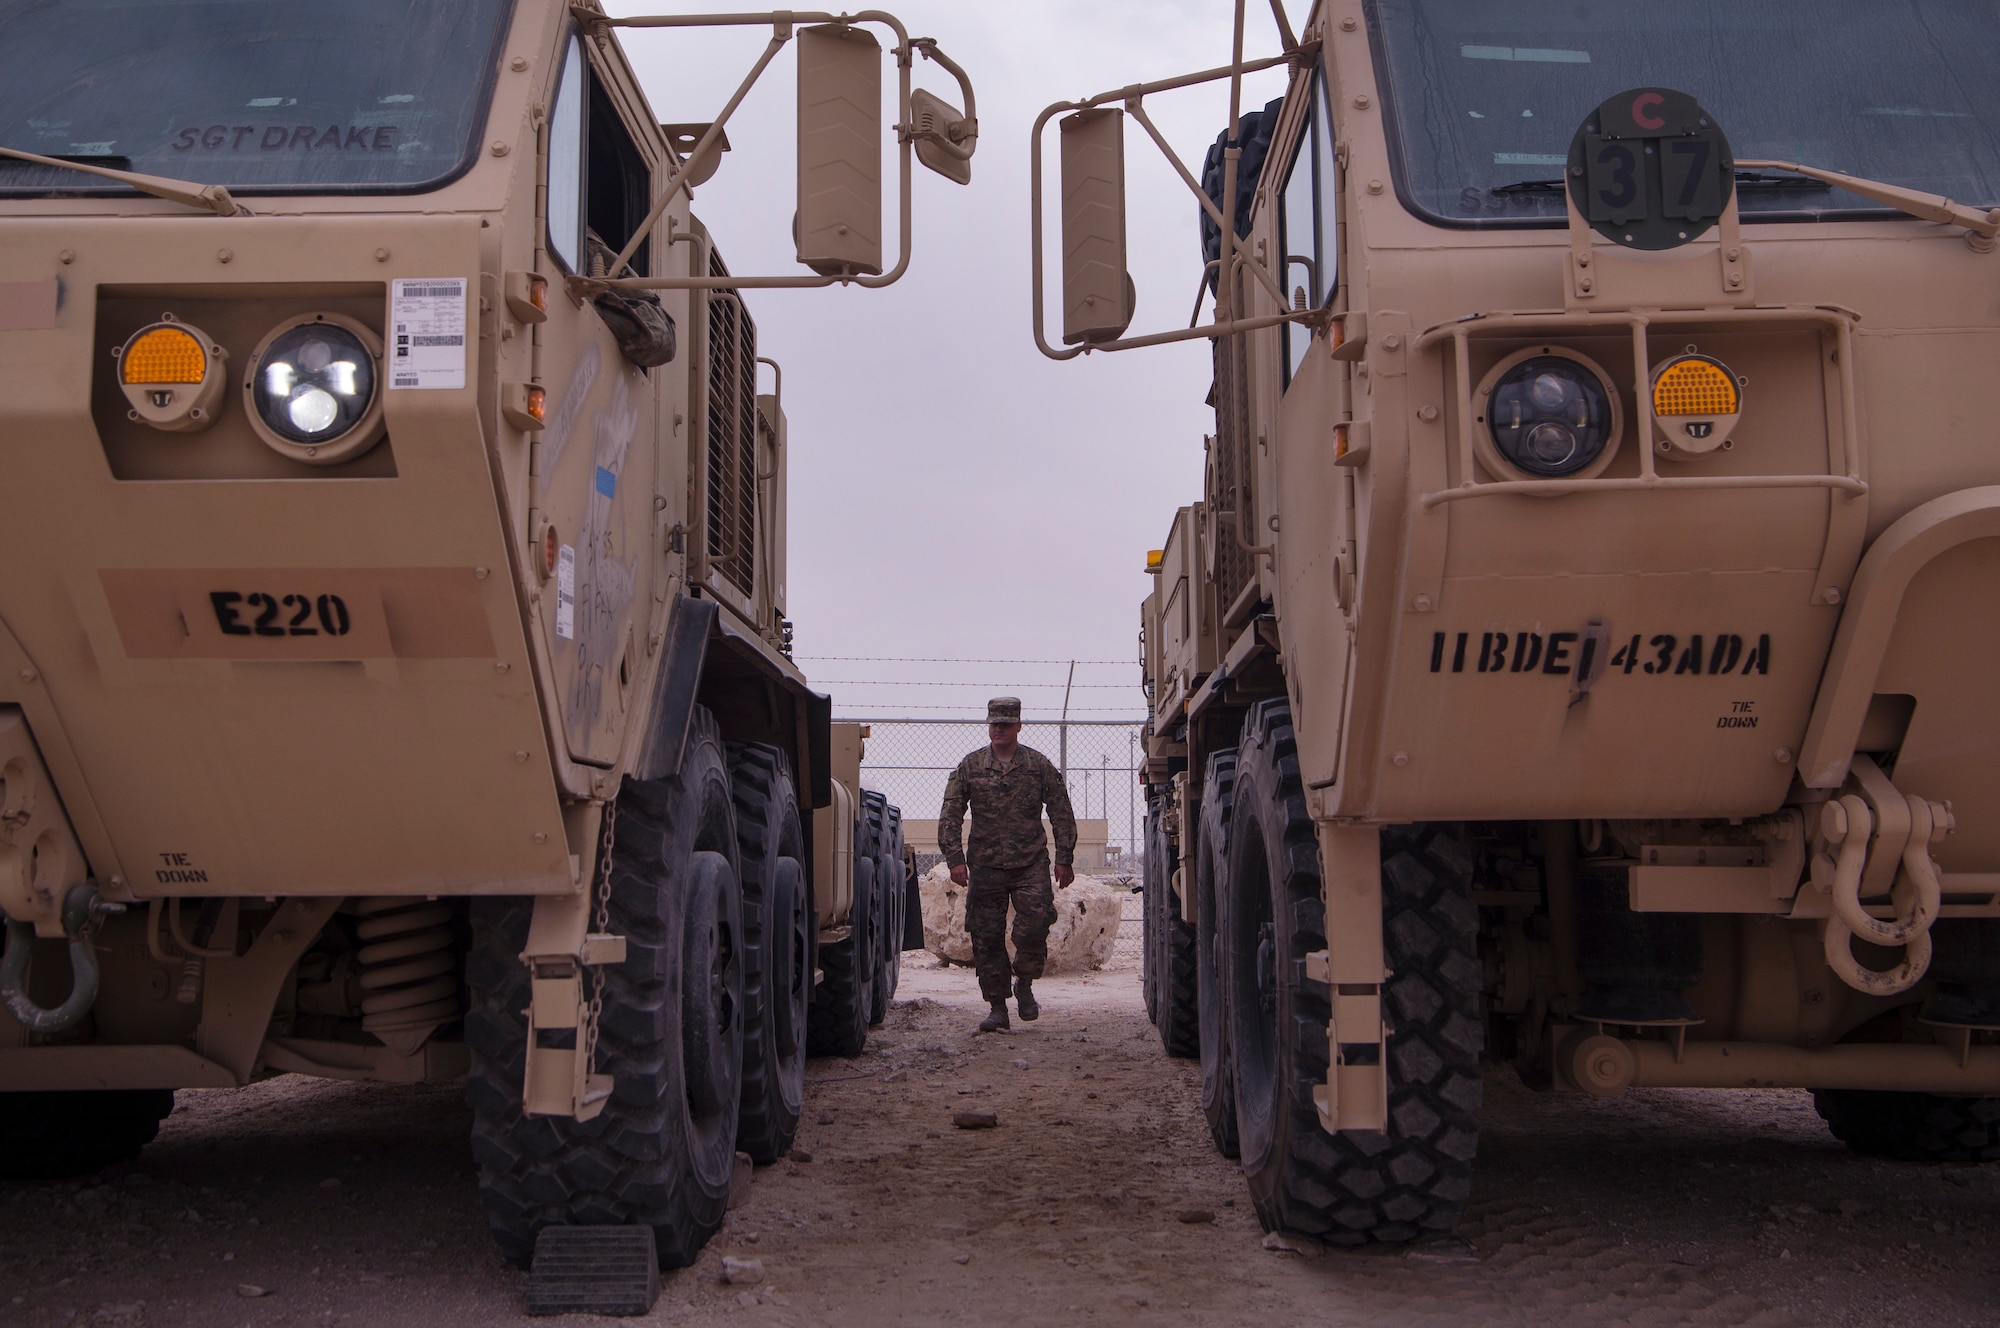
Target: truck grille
[(1228, 475), (732, 436)]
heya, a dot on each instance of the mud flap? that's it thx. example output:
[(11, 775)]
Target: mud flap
[(683, 653), (913, 908), (610, 1270)]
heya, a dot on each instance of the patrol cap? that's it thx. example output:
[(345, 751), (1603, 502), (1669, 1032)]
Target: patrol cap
[(1003, 710)]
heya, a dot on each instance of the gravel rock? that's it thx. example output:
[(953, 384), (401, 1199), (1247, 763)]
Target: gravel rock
[(801, 1154), (974, 1120), (1194, 1216), (742, 1272), (251, 1291), (961, 1258)]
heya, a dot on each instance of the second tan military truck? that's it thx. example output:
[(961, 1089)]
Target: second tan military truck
[(1576, 659)]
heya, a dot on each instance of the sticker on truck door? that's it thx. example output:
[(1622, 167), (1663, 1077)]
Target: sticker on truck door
[(427, 332), (566, 593)]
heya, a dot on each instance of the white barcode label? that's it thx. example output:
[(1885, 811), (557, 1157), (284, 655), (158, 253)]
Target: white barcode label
[(566, 593), (427, 321)]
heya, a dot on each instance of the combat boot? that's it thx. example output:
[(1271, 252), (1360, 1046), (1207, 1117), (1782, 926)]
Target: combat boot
[(1024, 997), (996, 1022)]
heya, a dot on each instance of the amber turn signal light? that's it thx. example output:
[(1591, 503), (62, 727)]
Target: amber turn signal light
[(165, 353), (524, 405), (1696, 403), (172, 376), (527, 296)]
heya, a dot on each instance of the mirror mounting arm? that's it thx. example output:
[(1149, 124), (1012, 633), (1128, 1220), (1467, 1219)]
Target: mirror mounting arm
[(1133, 97), (961, 137), (1135, 107), (783, 22)]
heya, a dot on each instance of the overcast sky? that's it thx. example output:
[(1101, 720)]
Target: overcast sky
[(955, 495)]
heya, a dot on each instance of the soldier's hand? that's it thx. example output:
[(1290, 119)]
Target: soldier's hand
[(961, 875), (1065, 874)]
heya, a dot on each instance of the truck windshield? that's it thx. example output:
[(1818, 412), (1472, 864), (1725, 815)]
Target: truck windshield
[(1482, 96), (283, 96)]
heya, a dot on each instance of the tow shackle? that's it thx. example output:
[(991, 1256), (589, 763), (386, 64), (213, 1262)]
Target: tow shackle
[(1849, 823), (83, 908)]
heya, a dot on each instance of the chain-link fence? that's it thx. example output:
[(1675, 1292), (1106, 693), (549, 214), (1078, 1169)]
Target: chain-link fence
[(909, 760)]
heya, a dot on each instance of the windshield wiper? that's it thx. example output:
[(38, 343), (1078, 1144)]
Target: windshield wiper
[(1750, 179), (208, 197), (1984, 223), (1759, 180)]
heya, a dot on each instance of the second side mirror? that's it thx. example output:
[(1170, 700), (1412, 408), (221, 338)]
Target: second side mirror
[(1097, 290)]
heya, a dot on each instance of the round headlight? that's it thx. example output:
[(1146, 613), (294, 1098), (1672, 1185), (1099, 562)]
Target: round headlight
[(1550, 416), (314, 383), (313, 388)]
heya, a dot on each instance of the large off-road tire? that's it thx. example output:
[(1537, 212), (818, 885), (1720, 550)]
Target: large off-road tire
[(837, 1024), (1357, 1186), (1171, 959), (1218, 1090), (777, 940), (51, 1136), (663, 1149), (1916, 1127), (881, 945)]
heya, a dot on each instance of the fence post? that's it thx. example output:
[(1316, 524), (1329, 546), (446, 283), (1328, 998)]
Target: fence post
[(1065, 721), (1131, 797)]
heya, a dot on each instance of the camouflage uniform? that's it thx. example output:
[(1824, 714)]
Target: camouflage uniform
[(1008, 858)]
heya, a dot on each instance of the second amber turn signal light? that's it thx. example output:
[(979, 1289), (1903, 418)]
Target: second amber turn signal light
[(1696, 403), (524, 405)]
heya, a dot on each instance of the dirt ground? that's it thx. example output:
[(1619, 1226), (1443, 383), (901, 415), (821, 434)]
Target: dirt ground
[(300, 1202)]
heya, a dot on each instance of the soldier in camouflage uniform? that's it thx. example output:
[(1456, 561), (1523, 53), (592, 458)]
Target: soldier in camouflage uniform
[(1008, 861)]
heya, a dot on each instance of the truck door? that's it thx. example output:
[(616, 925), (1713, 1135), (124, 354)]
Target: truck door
[(598, 458)]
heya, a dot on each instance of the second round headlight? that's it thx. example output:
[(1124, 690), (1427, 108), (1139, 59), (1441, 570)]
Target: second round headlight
[(314, 388), (1550, 416)]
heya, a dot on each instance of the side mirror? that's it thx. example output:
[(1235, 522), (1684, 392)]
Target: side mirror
[(934, 118), (1097, 291), (839, 225)]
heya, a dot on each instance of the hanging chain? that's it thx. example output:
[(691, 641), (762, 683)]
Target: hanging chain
[(600, 923)]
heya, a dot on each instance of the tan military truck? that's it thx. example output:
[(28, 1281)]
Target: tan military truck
[(1576, 658), (395, 677)]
